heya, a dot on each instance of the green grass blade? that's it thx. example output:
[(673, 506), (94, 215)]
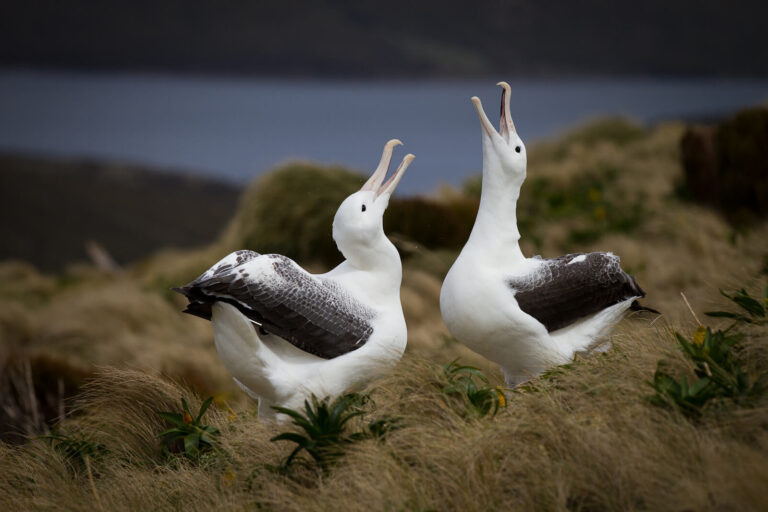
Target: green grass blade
[(172, 417), (191, 444), (750, 305), (204, 408)]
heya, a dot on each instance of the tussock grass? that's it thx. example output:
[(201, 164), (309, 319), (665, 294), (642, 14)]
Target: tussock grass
[(584, 436)]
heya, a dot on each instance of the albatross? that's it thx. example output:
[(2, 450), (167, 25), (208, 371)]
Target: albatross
[(285, 334), (526, 314)]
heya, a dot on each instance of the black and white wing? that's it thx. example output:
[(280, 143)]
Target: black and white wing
[(564, 290), (314, 314)]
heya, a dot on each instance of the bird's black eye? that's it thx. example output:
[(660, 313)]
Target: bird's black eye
[(363, 208), (517, 148)]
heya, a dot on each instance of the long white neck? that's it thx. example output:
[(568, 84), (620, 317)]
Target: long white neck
[(495, 232), (373, 267)]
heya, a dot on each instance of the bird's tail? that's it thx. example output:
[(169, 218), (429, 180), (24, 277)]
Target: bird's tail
[(244, 355)]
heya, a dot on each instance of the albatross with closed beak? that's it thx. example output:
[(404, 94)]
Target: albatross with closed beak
[(526, 314), (285, 334)]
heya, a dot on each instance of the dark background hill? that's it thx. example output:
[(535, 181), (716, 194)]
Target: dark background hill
[(389, 39), (52, 208)]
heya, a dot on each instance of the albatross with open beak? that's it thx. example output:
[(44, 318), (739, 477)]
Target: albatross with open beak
[(526, 314), (285, 334)]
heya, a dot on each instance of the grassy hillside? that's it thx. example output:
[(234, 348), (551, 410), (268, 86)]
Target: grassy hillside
[(112, 350)]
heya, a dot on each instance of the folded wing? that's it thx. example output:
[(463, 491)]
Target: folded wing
[(564, 290), (313, 314)]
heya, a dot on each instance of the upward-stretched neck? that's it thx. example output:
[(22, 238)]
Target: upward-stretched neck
[(495, 231)]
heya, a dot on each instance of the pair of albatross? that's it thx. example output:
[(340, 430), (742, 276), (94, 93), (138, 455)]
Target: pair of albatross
[(285, 334)]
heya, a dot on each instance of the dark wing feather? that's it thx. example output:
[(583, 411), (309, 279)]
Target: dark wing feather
[(316, 316), (561, 293)]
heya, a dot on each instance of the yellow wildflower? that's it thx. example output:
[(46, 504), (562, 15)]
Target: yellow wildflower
[(229, 478), (502, 398), (594, 194), (699, 335), (600, 213)]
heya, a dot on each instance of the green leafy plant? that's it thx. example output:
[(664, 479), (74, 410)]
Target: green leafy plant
[(188, 435), (689, 398), (757, 311), (475, 399), (326, 431), (718, 373)]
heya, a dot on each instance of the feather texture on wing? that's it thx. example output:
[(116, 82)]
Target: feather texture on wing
[(313, 314), (563, 290)]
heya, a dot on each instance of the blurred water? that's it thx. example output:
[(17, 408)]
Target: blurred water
[(237, 128)]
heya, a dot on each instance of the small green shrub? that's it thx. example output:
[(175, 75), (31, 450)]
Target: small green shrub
[(325, 429), (690, 399), (714, 354), (188, 436), (472, 399)]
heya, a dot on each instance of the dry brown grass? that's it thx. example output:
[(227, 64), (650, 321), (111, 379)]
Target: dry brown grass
[(583, 438)]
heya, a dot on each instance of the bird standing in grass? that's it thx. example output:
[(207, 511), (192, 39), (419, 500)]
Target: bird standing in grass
[(526, 314), (285, 334)]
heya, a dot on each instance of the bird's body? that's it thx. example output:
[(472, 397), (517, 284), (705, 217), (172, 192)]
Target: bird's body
[(526, 314), (285, 334)]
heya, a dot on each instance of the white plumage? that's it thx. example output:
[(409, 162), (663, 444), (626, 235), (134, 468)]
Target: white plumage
[(526, 314), (284, 334)]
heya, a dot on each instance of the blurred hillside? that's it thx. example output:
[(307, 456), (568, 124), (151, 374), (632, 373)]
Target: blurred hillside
[(53, 207), (389, 39)]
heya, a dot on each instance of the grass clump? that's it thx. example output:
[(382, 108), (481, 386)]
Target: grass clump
[(326, 434), (188, 435), (589, 204), (299, 228), (77, 449), (430, 224), (612, 130)]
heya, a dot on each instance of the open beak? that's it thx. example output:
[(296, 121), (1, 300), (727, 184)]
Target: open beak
[(506, 125), (374, 183), (484, 122)]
